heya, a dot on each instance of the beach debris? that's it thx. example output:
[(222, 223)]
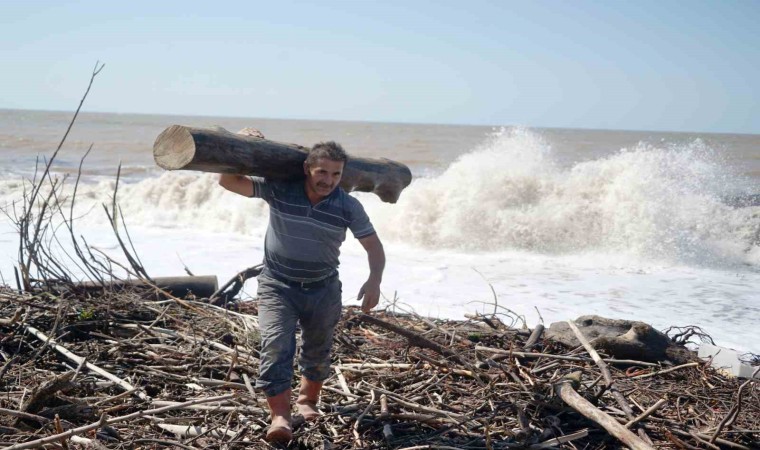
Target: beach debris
[(157, 371), (727, 361)]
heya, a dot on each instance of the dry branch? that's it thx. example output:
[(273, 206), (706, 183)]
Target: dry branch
[(660, 403), (567, 392), (603, 368), (79, 360), (414, 338), (105, 421)]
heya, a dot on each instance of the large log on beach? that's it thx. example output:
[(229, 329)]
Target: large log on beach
[(202, 286), (220, 151), (623, 339)]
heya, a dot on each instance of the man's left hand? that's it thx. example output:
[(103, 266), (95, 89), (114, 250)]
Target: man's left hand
[(370, 291)]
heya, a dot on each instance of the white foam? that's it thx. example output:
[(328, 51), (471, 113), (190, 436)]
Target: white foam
[(173, 200), (448, 284), (658, 203)]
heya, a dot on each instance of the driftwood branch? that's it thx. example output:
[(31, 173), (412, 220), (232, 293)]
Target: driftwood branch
[(37, 399), (647, 413), (16, 316), (734, 409), (535, 336), (609, 382), (105, 421), (624, 362), (185, 431), (79, 360), (565, 389), (603, 368), (232, 287), (664, 371), (355, 428), (414, 338), (199, 286)]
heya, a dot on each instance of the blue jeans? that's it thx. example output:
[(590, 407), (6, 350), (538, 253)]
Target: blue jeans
[(281, 307)]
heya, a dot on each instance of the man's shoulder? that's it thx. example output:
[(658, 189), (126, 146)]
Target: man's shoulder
[(352, 208)]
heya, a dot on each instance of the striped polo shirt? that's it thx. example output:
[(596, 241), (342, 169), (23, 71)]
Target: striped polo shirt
[(303, 240)]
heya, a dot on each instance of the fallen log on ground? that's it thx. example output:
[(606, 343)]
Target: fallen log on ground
[(203, 286), (623, 339), (220, 151)]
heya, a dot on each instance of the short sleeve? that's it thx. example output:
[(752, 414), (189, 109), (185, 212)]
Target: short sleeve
[(360, 225), (261, 189)]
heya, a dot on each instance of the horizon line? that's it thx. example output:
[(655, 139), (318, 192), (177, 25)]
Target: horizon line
[(449, 124)]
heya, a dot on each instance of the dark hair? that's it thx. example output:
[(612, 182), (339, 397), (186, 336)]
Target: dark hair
[(328, 150)]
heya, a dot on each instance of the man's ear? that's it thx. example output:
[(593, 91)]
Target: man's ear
[(305, 168)]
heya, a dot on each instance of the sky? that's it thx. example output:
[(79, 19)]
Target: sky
[(643, 65)]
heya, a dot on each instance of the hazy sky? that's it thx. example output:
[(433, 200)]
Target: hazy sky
[(662, 65)]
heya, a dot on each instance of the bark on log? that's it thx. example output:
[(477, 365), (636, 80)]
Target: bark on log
[(200, 286), (41, 394), (220, 151)]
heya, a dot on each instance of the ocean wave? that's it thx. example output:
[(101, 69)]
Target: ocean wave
[(659, 202), (650, 201)]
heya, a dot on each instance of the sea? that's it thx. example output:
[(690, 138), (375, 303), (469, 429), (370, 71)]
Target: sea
[(535, 225)]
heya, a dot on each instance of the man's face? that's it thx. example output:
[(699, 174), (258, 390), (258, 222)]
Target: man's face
[(323, 176)]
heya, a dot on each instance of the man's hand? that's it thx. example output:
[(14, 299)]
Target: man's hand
[(371, 293), (376, 258)]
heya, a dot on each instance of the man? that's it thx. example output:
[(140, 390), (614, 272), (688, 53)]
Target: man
[(299, 283)]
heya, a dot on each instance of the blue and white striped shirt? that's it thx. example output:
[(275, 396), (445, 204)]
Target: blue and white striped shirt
[(303, 241)]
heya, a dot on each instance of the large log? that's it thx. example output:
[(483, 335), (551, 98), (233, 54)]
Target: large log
[(202, 286), (220, 151), (623, 339)]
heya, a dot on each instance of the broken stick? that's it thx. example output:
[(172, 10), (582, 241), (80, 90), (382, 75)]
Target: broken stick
[(566, 390)]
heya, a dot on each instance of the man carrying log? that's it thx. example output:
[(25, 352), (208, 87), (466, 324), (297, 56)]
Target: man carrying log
[(299, 283)]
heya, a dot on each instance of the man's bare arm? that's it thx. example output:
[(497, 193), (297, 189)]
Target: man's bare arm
[(376, 258), (238, 184)]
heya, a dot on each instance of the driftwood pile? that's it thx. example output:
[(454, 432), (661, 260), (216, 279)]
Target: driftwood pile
[(128, 370)]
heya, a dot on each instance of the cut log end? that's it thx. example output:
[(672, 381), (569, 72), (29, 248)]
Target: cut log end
[(174, 148)]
